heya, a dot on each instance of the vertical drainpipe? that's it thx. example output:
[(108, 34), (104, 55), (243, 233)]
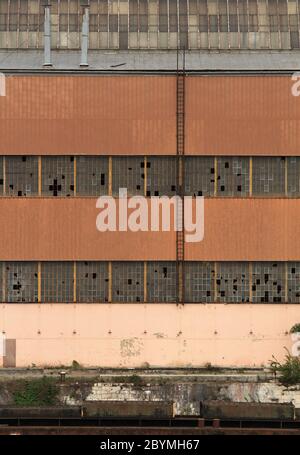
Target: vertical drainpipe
[(85, 38), (47, 38)]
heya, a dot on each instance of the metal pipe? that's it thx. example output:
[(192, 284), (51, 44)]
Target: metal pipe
[(85, 38), (47, 38)]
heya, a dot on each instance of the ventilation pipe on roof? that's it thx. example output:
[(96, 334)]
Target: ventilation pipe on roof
[(85, 38), (47, 38)]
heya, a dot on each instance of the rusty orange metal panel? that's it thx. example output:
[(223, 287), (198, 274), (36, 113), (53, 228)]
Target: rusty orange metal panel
[(248, 230), (242, 115), (65, 229), (88, 115)]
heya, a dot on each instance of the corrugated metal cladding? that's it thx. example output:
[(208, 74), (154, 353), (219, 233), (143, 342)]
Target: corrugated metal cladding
[(88, 115), (255, 115), (225, 115), (235, 230)]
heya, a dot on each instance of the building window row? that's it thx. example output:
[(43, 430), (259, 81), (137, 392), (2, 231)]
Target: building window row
[(153, 282), (223, 176), (142, 24)]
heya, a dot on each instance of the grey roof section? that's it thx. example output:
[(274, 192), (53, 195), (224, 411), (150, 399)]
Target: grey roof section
[(152, 61)]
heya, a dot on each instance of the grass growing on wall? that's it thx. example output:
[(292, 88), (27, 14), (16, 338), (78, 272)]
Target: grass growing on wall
[(36, 392), (288, 371)]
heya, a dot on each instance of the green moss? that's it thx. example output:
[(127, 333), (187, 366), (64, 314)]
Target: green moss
[(288, 371), (76, 365), (35, 392), (135, 379), (295, 328)]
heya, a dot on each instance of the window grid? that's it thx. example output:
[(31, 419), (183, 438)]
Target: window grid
[(21, 176), (57, 281), (271, 176), (232, 282), (21, 282), (293, 277), (199, 282), (268, 176), (128, 172), (161, 176), (271, 282), (199, 176), (128, 282), (233, 176), (268, 282), (143, 24), (161, 281), (91, 282), (92, 176), (1, 176), (58, 176), (293, 172)]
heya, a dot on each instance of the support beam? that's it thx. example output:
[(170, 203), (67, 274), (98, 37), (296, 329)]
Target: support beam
[(4, 176), (40, 175), (109, 282), (85, 38), (110, 176), (39, 282), (250, 176)]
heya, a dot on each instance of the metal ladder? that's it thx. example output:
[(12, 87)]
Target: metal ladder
[(180, 146)]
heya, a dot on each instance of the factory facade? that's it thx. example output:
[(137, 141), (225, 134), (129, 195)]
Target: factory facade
[(164, 99)]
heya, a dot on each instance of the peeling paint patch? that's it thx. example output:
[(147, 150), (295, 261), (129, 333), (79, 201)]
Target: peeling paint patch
[(131, 347)]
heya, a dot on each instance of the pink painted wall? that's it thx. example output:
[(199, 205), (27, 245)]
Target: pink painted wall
[(164, 335)]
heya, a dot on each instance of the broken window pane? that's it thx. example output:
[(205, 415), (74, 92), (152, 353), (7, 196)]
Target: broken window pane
[(92, 282), (21, 282), (199, 282), (57, 282), (21, 175), (128, 282), (161, 281), (58, 176)]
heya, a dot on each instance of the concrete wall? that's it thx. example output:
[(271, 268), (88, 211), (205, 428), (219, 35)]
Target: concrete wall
[(128, 335)]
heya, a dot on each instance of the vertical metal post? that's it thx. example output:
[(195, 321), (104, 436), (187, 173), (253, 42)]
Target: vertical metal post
[(74, 281), (75, 175), (286, 176), (250, 282), (3, 281), (47, 38), (39, 282), (286, 281), (110, 176), (145, 282), (145, 176), (250, 176), (215, 282), (216, 176), (4, 175), (40, 175), (110, 282), (85, 38)]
